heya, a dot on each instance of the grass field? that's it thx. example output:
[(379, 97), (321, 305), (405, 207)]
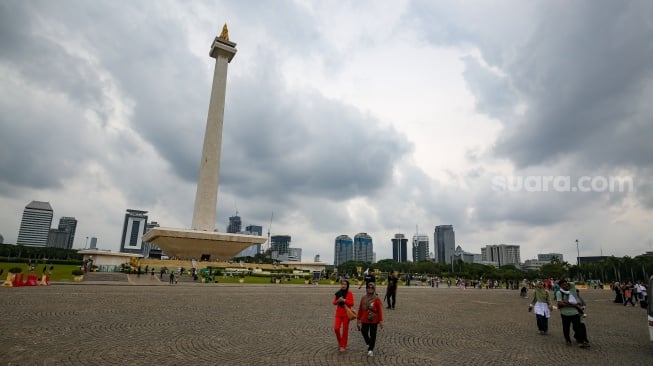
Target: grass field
[(60, 272)]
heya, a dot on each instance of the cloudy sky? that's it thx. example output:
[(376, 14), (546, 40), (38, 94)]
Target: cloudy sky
[(517, 122)]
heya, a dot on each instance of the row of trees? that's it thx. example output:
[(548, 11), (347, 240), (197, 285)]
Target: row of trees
[(610, 270), (22, 253)]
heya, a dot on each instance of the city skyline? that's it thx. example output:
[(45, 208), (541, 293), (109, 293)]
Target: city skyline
[(511, 121)]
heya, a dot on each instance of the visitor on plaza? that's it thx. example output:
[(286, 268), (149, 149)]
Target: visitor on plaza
[(583, 305), (541, 305), (391, 291), (370, 317), (570, 312), (627, 293), (343, 299), (618, 298), (368, 278), (642, 294)]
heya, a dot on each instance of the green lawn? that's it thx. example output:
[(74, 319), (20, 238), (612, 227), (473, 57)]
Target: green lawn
[(60, 272)]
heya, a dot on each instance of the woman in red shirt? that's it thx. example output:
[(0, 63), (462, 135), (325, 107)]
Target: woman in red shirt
[(370, 314), (343, 298)]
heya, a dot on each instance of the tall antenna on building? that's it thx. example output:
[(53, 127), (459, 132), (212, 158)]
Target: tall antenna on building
[(269, 228)]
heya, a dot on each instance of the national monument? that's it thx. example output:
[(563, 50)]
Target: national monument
[(202, 240)]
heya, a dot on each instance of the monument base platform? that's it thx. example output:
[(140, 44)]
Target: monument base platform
[(185, 243)]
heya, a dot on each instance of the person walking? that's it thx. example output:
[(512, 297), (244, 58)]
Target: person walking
[(570, 312), (541, 306), (343, 299), (524, 290), (391, 291), (370, 317), (618, 298), (369, 277), (628, 294)]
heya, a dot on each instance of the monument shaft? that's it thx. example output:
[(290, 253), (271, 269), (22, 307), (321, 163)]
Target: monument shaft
[(202, 241), (206, 198)]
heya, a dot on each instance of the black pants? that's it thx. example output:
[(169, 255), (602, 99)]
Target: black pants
[(542, 323), (392, 298), (369, 334), (580, 332)]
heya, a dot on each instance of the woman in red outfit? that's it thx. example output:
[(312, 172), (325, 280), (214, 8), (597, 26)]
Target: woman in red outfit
[(343, 298), (370, 313)]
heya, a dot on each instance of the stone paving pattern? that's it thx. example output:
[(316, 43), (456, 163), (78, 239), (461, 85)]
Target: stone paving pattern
[(220, 324)]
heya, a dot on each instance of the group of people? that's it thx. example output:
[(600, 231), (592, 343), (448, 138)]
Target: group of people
[(626, 293), (369, 316), (572, 310)]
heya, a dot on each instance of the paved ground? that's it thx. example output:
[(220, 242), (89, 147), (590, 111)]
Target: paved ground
[(219, 324)]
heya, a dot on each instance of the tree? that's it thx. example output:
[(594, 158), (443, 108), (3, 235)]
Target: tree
[(553, 270)]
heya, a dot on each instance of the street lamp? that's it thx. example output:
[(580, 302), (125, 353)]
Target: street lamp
[(578, 257)]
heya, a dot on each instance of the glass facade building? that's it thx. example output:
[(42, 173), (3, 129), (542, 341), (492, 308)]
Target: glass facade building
[(344, 250), (445, 243), (234, 225), (420, 248), (399, 248), (363, 248)]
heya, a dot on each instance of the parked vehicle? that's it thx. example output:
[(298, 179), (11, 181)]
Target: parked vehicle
[(650, 309)]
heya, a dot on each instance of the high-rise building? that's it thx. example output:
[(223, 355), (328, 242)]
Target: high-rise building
[(501, 254), (35, 224), (254, 230), (93, 243), (548, 257), (280, 248), (2, 240), (280, 244), (420, 248), (344, 250), (69, 225), (256, 248), (294, 254), (132, 231), (444, 239), (149, 249), (399, 248), (363, 248), (58, 238), (234, 225)]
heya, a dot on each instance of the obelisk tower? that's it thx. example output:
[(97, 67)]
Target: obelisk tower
[(206, 198), (202, 241)]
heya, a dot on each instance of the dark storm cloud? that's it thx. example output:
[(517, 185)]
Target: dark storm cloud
[(580, 69), (35, 147), (144, 56), (281, 143), (494, 95), (582, 72), (581, 76)]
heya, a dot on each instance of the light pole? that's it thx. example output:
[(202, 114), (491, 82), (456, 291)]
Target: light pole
[(578, 258), (578, 251)]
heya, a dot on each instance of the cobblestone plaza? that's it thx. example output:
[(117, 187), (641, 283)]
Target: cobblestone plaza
[(219, 324)]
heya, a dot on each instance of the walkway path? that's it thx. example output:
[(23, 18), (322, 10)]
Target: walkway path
[(219, 324)]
